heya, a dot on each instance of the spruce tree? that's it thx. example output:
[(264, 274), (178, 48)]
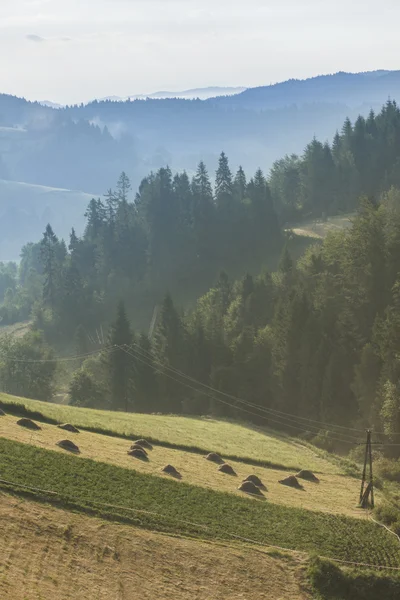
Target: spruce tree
[(49, 261), (171, 349), (223, 181), (203, 217), (119, 363), (285, 262), (123, 187), (146, 377), (240, 185)]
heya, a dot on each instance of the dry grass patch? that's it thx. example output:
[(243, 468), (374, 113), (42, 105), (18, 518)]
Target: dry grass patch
[(17, 330), (50, 554), (335, 494), (224, 438), (320, 229)]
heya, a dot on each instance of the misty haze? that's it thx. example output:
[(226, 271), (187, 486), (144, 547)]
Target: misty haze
[(199, 300)]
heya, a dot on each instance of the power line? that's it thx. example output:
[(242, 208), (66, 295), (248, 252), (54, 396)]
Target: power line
[(61, 358), (276, 413), (267, 418), (165, 518), (274, 418)]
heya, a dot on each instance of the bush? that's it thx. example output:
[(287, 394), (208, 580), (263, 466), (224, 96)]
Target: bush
[(27, 366), (323, 441), (326, 578), (389, 515), (329, 582), (84, 391), (388, 469)]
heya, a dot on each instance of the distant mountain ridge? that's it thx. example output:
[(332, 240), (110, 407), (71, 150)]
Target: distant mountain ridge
[(352, 89), (197, 93), (86, 147)]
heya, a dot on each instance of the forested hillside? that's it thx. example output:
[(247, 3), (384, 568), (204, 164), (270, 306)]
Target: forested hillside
[(85, 147), (316, 338), (351, 89)]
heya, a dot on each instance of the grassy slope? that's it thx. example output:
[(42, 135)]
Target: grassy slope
[(320, 229), (175, 507), (17, 330), (80, 557), (334, 494), (228, 439)]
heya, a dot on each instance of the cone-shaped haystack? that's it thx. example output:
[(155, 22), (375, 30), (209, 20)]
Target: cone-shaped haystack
[(29, 424), (225, 468), (137, 446), (170, 470), (68, 445), (144, 444), (138, 453), (291, 481), (69, 427), (307, 475), (213, 457), (256, 480), (249, 488)]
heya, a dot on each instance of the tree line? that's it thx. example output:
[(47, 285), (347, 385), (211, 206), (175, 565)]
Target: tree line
[(315, 338), (178, 232), (363, 159)]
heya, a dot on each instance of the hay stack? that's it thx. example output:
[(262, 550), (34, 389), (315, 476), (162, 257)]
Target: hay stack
[(144, 444), (68, 427), (291, 481), (225, 468), (256, 480), (213, 457), (137, 446), (249, 488), (2, 413), (29, 424), (68, 445), (170, 470), (138, 453), (307, 475)]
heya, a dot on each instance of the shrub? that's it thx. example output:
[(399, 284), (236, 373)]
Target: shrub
[(389, 515), (388, 469), (84, 391), (329, 582)]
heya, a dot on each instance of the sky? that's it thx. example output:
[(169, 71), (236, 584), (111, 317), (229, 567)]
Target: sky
[(72, 51)]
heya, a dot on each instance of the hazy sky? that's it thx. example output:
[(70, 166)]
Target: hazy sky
[(75, 50)]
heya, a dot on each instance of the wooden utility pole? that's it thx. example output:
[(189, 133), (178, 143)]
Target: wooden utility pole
[(367, 484)]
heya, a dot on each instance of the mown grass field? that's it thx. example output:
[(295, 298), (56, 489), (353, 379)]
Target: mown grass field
[(320, 229), (17, 330), (208, 435), (178, 508), (50, 554), (335, 493)]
